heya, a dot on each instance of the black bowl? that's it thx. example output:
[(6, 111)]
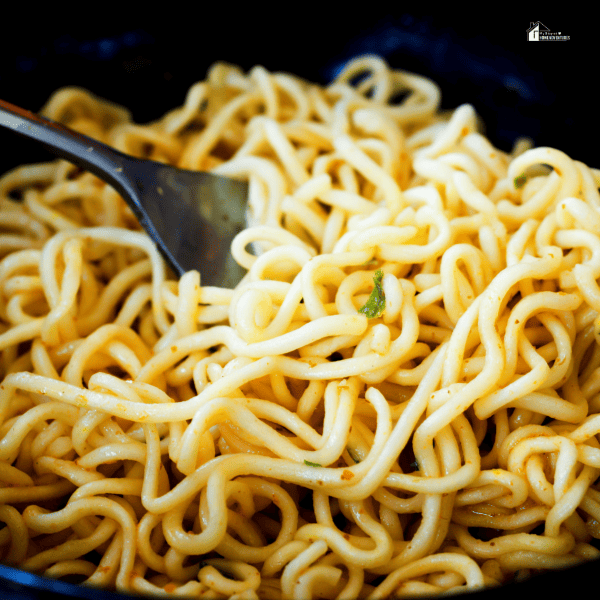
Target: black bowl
[(520, 88)]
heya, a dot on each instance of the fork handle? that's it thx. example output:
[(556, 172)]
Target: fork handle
[(105, 162)]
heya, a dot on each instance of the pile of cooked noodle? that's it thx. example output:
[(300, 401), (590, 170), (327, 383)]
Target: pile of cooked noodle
[(401, 397)]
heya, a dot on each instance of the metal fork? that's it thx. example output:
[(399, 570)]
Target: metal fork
[(192, 216)]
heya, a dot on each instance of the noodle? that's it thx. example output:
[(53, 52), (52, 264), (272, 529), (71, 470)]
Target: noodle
[(278, 440)]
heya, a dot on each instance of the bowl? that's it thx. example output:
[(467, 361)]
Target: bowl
[(518, 87)]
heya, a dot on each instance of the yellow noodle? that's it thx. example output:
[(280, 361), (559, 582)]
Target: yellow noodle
[(275, 441)]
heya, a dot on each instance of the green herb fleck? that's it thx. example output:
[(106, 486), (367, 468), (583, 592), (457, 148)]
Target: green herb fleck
[(375, 305), (311, 464), (372, 261), (352, 455), (520, 180), (415, 465)]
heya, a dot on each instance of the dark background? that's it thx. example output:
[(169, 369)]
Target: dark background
[(541, 90)]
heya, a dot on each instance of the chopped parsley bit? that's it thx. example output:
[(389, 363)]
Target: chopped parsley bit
[(415, 465), (311, 464), (520, 180), (372, 261), (352, 456), (375, 305)]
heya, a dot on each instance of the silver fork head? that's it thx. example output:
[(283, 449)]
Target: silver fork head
[(193, 218)]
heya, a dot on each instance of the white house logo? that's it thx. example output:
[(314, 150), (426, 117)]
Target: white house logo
[(538, 32)]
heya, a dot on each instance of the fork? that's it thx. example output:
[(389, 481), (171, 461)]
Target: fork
[(192, 216)]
